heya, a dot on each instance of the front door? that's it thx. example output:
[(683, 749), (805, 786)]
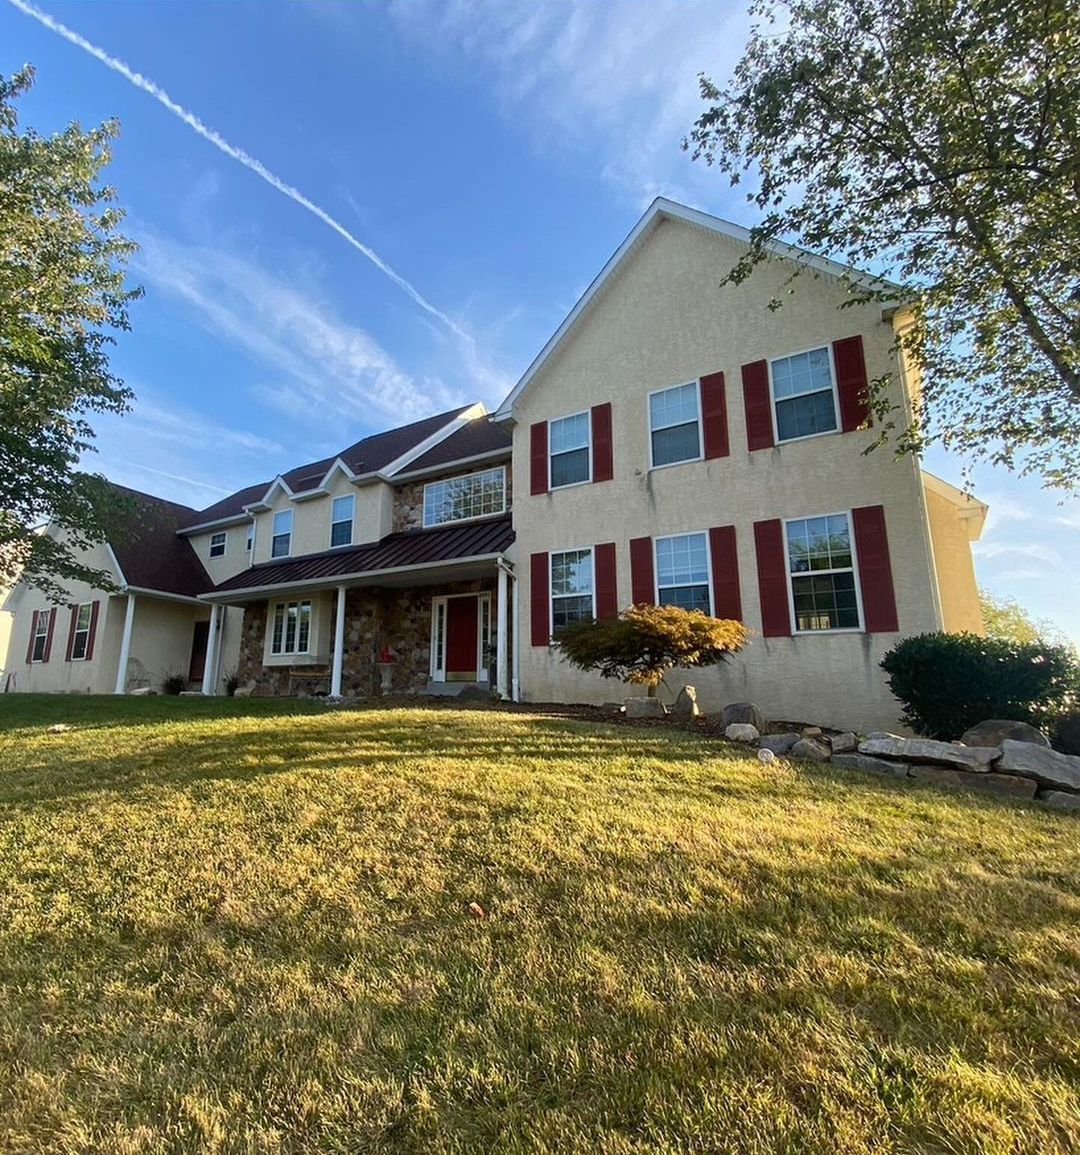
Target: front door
[(198, 651), (462, 634)]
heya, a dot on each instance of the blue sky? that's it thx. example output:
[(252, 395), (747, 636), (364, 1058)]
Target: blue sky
[(490, 153)]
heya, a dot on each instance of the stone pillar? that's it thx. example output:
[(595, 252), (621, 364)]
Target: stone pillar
[(339, 644), (125, 646), (502, 681), (208, 687)]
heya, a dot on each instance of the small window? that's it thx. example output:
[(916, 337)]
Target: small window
[(682, 572), (250, 538), (41, 636), (803, 395), (80, 640), (674, 425), (217, 544), (459, 498), (822, 572), (341, 520), (571, 587), (569, 450), (292, 628), (281, 543)]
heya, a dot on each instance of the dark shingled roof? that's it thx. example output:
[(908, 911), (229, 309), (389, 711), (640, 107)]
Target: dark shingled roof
[(398, 550), (150, 553), (479, 436)]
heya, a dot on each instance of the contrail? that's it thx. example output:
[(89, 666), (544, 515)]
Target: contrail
[(237, 154)]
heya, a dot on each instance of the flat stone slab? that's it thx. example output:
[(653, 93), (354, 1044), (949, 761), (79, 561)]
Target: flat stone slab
[(1047, 767), (1060, 800), (870, 764), (813, 749), (844, 743), (920, 750), (644, 708), (994, 731), (1008, 785)]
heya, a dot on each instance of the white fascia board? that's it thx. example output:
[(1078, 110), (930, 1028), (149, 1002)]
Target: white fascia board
[(217, 523), (459, 422), (163, 595), (967, 506), (336, 465)]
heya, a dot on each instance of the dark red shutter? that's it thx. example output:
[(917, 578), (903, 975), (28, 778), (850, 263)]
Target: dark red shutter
[(727, 601), (772, 579), (93, 631), (538, 459), (541, 611), (33, 635), (603, 464), (714, 415), (607, 597), (875, 571), (851, 383), (755, 387), (71, 632), (49, 635), (642, 587)]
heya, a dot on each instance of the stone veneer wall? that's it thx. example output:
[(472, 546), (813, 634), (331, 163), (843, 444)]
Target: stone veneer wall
[(409, 498)]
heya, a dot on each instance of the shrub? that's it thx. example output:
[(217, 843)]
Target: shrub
[(948, 683), (173, 684), (232, 684)]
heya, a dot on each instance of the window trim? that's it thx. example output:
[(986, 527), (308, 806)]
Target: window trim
[(224, 535), (271, 616), (44, 617), (274, 536), (552, 595), (473, 517), (351, 520), (89, 606), (587, 414), (700, 424), (777, 441), (795, 631), (708, 564)]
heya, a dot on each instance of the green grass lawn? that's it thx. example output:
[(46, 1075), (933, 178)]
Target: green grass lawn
[(245, 926)]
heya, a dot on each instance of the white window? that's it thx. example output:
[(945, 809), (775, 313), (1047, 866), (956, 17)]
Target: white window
[(569, 442), (341, 520), (682, 572), (674, 424), (803, 395), (250, 538), (822, 572), (460, 498), (217, 544), (80, 640), (41, 636), (571, 587), (281, 542), (292, 628)]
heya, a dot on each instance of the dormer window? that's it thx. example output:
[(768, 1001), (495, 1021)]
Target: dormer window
[(281, 543), (341, 520)]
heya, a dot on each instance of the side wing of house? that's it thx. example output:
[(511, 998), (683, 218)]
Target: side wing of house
[(956, 520)]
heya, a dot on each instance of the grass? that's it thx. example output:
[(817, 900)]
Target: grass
[(245, 926)]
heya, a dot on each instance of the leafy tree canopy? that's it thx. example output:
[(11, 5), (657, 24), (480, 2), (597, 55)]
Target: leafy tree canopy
[(936, 142), (1006, 619), (62, 292)]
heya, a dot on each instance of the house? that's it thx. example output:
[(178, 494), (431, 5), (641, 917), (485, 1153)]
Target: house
[(675, 442)]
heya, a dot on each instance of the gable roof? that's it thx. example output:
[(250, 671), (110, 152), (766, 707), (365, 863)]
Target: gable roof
[(148, 551), (663, 209), (477, 439)]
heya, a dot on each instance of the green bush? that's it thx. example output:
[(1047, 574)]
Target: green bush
[(948, 683), (173, 684)]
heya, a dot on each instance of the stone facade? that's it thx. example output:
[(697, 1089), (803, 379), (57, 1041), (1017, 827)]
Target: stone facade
[(409, 498)]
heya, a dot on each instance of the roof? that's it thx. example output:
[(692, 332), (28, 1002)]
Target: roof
[(663, 209), (150, 554), (968, 507), (479, 438), (417, 547)]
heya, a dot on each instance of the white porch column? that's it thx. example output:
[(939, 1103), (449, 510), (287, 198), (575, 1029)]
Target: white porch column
[(125, 646), (515, 683), (339, 644), (210, 665), (502, 682)]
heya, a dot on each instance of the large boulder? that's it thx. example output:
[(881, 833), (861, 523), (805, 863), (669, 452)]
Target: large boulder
[(977, 758), (644, 708), (745, 712), (996, 730), (778, 743), (741, 732), (812, 749), (1047, 767), (1009, 785), (870, 765), (685, 704), (844, 743), (1060, 800)]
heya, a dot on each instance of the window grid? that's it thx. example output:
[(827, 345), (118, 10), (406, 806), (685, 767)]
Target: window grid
[(682, 572), (803, 396), (569, 444), (80, 642), (281, 542), (41, 636), (341, 520), (460, 498), (217, 544), (675, 424), (292, 628), (571, 587), (821, 570)]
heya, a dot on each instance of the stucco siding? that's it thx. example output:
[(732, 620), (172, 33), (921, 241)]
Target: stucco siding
[(959, 590)]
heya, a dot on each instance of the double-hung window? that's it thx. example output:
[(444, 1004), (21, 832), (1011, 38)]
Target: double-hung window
[(217, 544), (821, 569), (803, 395), (675, 424), (281, 542), (292, 628), (460, 498), (341, 520), (571, 587), (570, 450), (80, 639), (41, 635), (682, 572)]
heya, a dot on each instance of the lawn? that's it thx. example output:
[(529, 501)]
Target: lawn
[(246, 926)]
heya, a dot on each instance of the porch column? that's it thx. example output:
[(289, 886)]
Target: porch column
[(515, 681), (208, 687), (339, 644), (125, 646), (502, 682)]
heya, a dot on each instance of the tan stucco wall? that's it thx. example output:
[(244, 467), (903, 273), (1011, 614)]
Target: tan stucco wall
[(955, 566), (236, 556), (662, 320)]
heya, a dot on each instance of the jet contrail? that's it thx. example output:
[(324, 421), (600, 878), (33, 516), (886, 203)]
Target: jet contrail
[(237, 154)]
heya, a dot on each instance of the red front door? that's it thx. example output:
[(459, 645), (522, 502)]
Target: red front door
[(462, 623)]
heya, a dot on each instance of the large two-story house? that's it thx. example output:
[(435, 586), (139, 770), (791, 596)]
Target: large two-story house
[(674, 442)]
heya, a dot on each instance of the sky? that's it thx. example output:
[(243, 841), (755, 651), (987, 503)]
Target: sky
[(355, 215)]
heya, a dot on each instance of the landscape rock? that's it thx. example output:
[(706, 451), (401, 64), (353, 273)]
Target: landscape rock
[(842, 743), (745, 712), (741, 732), (685, 704), (996, 730), (613, 707), (477, 694), (812, 749), (644, 708), (779, 743), (1047, 767), (811, 732), (1005, 784), (141, 692), (1060, 800), (245, 691), (870, 764), (976, 758)]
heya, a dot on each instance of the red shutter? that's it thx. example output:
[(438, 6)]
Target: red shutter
[(33, 634), (875, 571), (727, 602), (851, 383), (642, 588), (538, 458), (607, 597), (49, 635), (755, 387), (772, 579), (93, 631), (603, 466), (541, 610), (71, 632), (714, 415)]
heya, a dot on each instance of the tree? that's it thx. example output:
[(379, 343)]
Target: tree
[(62, 292), (936, 142), (644, 642), (1006, 619)]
